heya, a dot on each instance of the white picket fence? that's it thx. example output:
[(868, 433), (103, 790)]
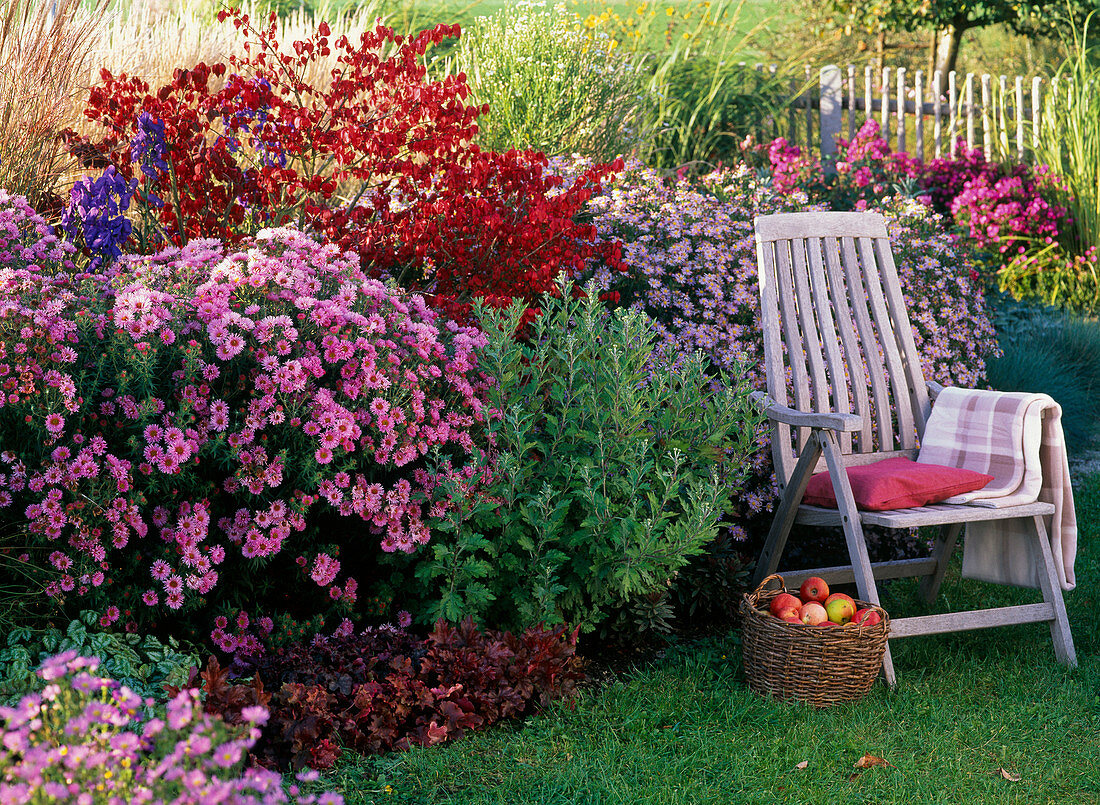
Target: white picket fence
[(997, 114)]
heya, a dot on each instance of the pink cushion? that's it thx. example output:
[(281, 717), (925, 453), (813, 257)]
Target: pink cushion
[(896, 483)]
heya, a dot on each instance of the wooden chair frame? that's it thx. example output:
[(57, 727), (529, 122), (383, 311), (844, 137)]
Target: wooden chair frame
[(834, 317)]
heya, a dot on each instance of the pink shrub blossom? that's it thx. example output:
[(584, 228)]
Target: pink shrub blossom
[(198, 407)]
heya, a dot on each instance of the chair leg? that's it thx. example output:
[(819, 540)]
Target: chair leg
[(853, 535), (788, 509), (944, 547), (1052, 594)]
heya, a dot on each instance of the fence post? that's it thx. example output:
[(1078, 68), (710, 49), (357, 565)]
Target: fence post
[(1036, 101), (902, 143), (987, 145), (831, 102), (851, 101)]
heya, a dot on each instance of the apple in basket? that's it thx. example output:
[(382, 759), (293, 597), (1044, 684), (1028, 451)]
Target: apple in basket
[(814, 589), (840, 608), (866, 617), (784, 601), (813, 614)]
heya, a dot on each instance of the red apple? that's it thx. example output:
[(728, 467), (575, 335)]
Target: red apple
[(840, 608), (813, 613), (791, 616), (814, 589), (866, 617), (784, 601)]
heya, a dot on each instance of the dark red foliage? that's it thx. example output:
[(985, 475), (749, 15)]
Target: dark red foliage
[(253, 144), (221, 696), (387, 690)]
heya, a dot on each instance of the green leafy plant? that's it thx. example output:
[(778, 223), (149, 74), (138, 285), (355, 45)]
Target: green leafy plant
[(141, 662), (704, 105), (613, 470)]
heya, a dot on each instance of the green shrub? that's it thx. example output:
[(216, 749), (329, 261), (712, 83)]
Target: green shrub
[(549, 87), (1054, 276), (142, 663), (613, 471), (1067, 273)]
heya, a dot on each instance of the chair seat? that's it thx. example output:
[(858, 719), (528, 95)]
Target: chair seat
[(935, 514)]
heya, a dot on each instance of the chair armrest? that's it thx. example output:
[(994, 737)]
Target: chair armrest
[(934, 388), (845, 423)]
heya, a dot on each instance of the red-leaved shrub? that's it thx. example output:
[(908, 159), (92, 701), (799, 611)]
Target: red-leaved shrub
[(226, 149)]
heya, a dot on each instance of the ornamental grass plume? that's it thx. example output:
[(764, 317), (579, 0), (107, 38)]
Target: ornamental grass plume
[(44, 49)]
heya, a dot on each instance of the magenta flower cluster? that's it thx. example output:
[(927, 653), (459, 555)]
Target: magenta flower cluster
[(999, 207), (692, 268), (1010, 213), (865, 170), (85, 739), (181, 418)]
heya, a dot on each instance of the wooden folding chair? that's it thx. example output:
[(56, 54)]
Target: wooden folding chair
[(834, 318)]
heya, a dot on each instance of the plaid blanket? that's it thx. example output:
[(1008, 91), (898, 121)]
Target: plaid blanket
[(1017, 438)]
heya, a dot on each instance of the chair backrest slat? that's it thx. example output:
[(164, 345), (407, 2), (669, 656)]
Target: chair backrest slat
[(813, 335), (856, 374), (902, 406), (836, 332), (792, 335), (914, 375), (868, 339), (823, 305), (773, 354)]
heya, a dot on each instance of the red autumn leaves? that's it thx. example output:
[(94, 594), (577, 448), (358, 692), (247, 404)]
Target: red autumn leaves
[(379, 158)]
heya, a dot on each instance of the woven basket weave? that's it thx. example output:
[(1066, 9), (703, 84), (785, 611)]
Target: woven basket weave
[(819, 665)]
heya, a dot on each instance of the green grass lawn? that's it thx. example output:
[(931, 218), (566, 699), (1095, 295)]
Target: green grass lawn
[(688, 730)]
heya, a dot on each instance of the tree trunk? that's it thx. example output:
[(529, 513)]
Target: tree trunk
[(880, 51), (947, 50)]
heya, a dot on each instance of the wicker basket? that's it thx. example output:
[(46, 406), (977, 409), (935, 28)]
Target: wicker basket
[(819, 665)]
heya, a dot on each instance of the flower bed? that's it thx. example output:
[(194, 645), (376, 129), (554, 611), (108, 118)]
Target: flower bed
[(172, 423), (689, 246)]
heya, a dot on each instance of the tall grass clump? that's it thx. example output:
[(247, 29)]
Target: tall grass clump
[(1069, 138), (549, 87), (1066, 273), (701, 100), (44, 48), (152, 42)]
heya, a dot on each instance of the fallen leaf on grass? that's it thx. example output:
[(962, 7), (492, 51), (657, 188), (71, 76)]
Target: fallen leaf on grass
[(868, 761), (1012, 778), (802, 765)]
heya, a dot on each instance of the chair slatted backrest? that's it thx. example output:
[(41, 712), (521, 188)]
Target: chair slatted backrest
[(837, 336)]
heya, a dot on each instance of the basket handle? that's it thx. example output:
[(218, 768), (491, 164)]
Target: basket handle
[(882, 614), (755, 595), (773, 577)]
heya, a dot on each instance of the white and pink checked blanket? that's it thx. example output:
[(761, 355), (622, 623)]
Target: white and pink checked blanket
[(1017, 438)]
